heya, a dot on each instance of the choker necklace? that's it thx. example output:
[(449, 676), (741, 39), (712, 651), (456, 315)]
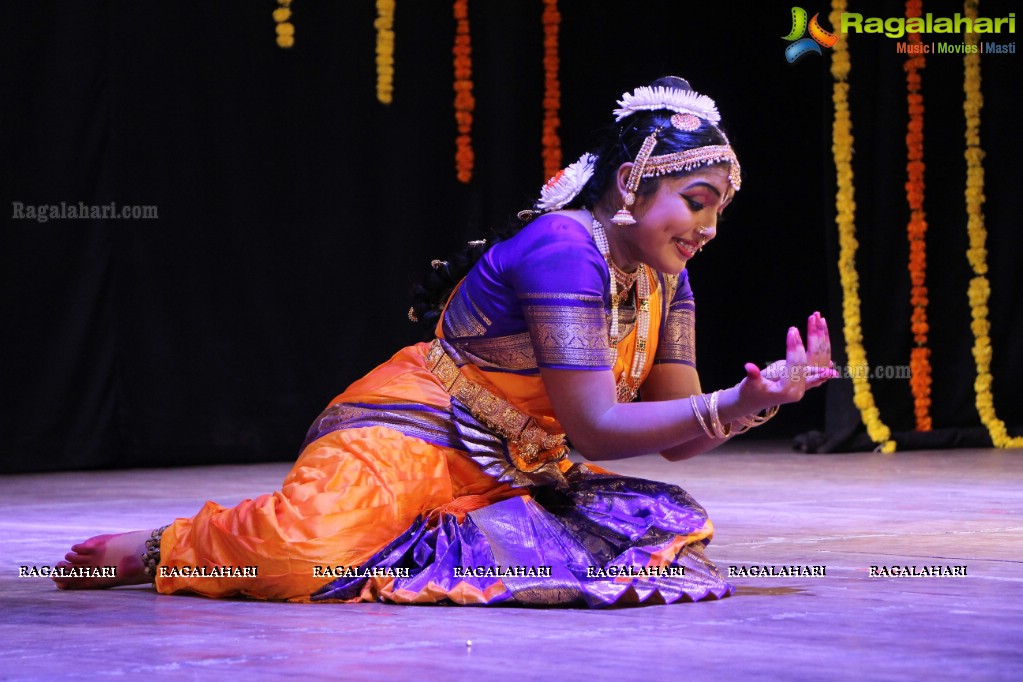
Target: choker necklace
[(628, 385), (625, 279)]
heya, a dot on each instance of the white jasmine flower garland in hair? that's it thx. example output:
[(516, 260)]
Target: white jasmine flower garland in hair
[(567, 184), (647, 98)]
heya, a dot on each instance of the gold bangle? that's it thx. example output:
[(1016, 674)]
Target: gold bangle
[(751, 421), (715, 421), (699, 417), (722, 433)]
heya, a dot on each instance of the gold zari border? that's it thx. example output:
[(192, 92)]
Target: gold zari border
[(529, 445)]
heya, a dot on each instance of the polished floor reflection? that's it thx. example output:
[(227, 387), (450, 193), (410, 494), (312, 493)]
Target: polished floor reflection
[(772, 509)]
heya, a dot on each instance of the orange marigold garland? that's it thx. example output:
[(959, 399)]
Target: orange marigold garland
[(552, 89), (465, 103), (285, 29), (919, 359), (384, 25)]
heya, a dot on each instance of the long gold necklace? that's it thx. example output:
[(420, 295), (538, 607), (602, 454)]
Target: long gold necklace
[(628, 385)]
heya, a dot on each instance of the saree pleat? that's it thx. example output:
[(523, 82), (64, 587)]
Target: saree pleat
[(585, 549)]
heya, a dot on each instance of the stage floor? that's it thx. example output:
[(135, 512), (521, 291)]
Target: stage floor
[(770, 507)]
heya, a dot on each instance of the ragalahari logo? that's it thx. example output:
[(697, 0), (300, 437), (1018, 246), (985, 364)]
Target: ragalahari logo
[(801, 46)]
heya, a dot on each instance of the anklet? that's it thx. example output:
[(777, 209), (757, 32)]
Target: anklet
[(151, 558)]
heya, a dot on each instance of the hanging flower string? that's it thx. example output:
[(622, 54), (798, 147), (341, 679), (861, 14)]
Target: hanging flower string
[(919, 359), (842, 146), (285, 29), (384, 25), (465, 103), (980, 289), (552, 89)]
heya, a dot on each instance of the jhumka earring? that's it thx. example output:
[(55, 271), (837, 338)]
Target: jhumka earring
[(624, 216)]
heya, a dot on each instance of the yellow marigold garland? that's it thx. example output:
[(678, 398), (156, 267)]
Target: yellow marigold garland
[(919, 359), (980, 289), (285, 29), (552, 89), (465, 103), (842, 148), (384, 25)]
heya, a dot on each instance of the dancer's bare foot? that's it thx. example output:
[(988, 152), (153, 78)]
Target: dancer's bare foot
[(122, 551)]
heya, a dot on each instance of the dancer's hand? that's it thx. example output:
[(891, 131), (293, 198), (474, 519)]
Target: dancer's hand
[(785, 381), (820, 368)]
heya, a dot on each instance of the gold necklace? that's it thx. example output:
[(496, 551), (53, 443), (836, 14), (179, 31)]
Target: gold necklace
[(625, 279), (623, 293), (628, 385)]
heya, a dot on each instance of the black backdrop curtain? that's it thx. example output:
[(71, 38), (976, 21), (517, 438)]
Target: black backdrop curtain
[(295, 211)]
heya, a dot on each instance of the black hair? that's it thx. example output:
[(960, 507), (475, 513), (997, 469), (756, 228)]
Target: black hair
[(430, 295), (615, 144)]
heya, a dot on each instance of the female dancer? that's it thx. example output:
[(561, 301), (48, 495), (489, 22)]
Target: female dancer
[(442, 475)]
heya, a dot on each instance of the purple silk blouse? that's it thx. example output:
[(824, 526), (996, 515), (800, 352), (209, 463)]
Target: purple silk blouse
[(542, 299)]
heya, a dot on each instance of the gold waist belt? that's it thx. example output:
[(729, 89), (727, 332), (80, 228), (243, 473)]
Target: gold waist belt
[(529, 445)]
